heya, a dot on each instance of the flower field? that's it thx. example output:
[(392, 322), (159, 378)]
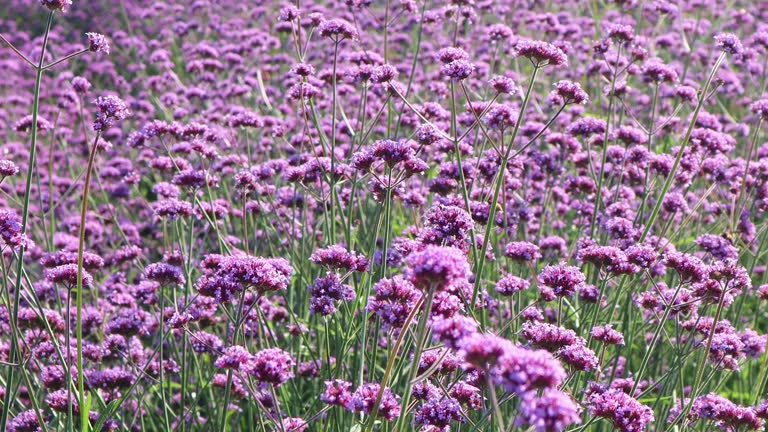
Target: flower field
[(391, 215)]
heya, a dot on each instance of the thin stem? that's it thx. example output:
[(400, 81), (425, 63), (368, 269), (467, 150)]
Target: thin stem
[(19, 53), (63, 59), (84, 424), (13, 351)]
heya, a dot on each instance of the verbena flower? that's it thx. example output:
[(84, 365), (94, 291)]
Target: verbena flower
[(111, 109), (98, 43)]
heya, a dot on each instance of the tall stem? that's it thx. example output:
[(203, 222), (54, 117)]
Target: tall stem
[(13, 352), (84, 425)]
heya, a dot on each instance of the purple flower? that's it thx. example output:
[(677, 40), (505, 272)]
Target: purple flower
[(338, 257), (607, 335), (458, 70), (67, 275), (56, 5), (541, 53), (233, 357), (562, 279), (337, 30), (394, 300), (98, 43), (655, 71), (621, 409), (436, 267), (326, 291), (579, 357), (364, 399), (231, 274), (451, 331), (165, 274), (510, 284), (729, 43), (522, 251), (10, 230), (503, 84), (521, 370), (569, 92), (553, 411), (438, 412), (271, 365), (760, 107), (8, 168), (383, 73), (337, 392), (111, 109), (550, 336), (690, 268), (725, 414)]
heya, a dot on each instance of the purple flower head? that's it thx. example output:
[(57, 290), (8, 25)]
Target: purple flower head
[(569, 92), (25, 421), (521, 370), (337, 30), (364, 399), (690, 268), (383, 73), (231, 274), (165, 274), (337, 392), (760, 108), (97, 42), (56, 5), (10, 230), (483, 349), (503, 84), (586, 126), (438, 412), (607, 335), (549, 336), (436, 267), (67, 275), (729, 43), (458, 70), (562, 279), (541, 53), (233, 357), (724, 414), (510, 284), (522, 251), (394, 300), (326, 291), (451, 54), (451, 224), (579, 357), (271, 365), (111, 109), (655, 71), (553, 411), (8, 168), (289, 13), (625, 412), (338, 257), (451, 331)]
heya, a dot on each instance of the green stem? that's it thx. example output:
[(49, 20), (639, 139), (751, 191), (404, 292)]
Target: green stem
[(13, 351), (84, 423)]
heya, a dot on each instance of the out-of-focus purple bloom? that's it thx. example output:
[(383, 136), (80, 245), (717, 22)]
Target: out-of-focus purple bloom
[(553, 411)]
